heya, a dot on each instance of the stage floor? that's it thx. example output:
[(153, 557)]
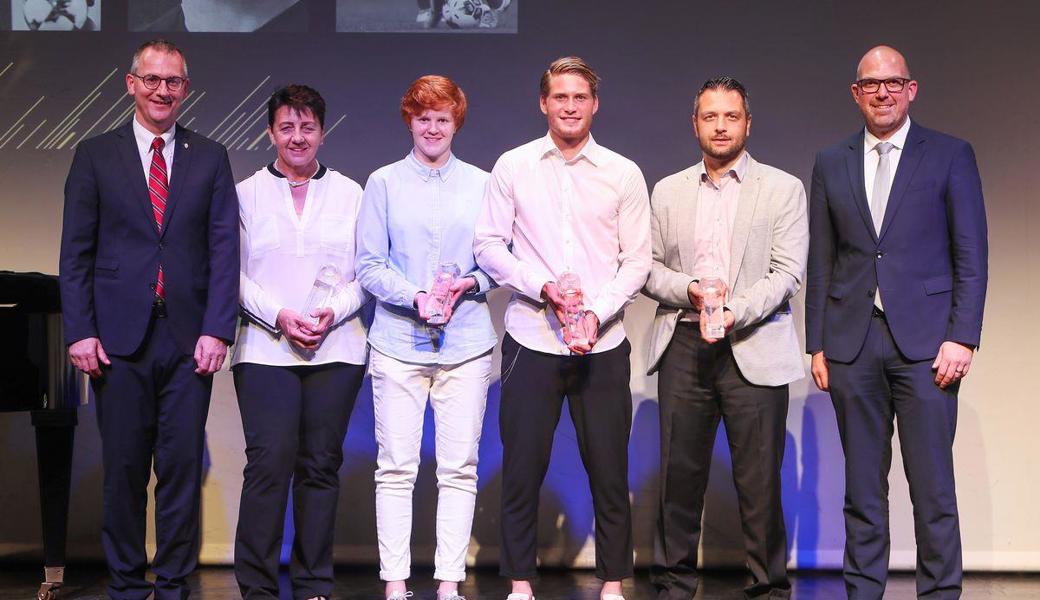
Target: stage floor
[(20, 582)]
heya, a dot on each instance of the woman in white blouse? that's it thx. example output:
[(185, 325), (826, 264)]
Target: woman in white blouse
[(419, 213), (297, 370)]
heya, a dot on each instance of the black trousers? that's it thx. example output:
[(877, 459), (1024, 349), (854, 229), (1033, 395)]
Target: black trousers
[(596, 386), (152, 406), (867, 394), (294, 419), (699, 384)]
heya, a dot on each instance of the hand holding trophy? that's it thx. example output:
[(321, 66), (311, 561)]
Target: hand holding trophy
[(438, 303), (714, 291), (573, 308)]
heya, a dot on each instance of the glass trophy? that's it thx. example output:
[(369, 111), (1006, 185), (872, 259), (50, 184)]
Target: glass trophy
[(440, 295), (573, 306), (325, 284), (714, 291)]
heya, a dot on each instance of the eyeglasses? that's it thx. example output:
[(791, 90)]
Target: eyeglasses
[(152, 81), (893, 84)]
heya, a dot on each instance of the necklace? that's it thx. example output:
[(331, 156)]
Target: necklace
[(296, 184)]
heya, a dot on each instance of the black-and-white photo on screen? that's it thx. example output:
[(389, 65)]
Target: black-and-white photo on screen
[(218, 15), (53, 15), (438, 16)]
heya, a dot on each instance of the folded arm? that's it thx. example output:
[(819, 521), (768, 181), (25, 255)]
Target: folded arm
[(494, 235), (668, 286), (372, 264), (787, 255), (634, 259)]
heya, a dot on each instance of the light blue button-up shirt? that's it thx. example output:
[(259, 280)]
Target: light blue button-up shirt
[(412, 219)]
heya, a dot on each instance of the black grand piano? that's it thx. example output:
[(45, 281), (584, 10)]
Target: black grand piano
[(35, 375)]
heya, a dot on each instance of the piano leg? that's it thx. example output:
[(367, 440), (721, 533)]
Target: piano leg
[(55, 433)]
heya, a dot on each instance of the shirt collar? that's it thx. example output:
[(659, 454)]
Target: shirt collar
[(322, 169), (590, 151), (426, 173), (738, 170), (144, 137), (898, 138)]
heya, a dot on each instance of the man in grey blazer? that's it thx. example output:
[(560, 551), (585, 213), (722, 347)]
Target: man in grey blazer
[(735, 219)]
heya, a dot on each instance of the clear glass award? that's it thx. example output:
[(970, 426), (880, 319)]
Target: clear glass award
[(440, 294), (573, 306), (325, 284), (714, 291)]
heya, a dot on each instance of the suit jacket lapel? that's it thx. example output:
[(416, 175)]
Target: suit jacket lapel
[(686, 223), (742, 223), (854, 166), (126, 146), (181, 166), (913, 151)]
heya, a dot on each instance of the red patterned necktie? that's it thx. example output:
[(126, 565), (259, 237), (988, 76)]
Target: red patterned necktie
[(158, 189)]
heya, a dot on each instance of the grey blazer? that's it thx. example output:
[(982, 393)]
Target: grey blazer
[(767, 262)]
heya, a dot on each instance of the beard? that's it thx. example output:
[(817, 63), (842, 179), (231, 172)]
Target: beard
[(726, 155)]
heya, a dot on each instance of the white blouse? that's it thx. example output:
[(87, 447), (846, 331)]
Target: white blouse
[(281, 254)]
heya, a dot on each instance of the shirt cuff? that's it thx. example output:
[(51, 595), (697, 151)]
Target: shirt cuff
[(533, 284), (406, 297), (601, 310), (483, 282)]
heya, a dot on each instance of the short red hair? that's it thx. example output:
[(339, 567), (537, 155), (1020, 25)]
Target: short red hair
[(434, 92)]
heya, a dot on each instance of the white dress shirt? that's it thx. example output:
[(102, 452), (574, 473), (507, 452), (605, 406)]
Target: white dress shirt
[(871, 158), (589, 215), (716, 213), (144, 139), (281, 254)]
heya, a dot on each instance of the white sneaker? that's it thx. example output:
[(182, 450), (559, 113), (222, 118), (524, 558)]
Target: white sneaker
[(425, 17)]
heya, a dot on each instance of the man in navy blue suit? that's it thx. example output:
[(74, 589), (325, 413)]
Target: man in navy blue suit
[(149, 287), (893, 313)]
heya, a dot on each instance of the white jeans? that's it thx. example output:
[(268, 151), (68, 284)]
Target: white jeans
[(458, 394)]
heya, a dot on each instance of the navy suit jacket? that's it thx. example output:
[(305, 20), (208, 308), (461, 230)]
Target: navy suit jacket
[(929, 261), (111, 247)]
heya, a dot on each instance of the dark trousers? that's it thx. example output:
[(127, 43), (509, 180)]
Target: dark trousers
[(152, 405), (699, 384), (867, 393), (294, 419), (596, 386)]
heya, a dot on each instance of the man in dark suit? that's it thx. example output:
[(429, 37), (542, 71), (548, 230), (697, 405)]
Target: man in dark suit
[(893, 311), (149, 286)]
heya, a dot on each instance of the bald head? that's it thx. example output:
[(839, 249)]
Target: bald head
[(883, 59), (883, 90)]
